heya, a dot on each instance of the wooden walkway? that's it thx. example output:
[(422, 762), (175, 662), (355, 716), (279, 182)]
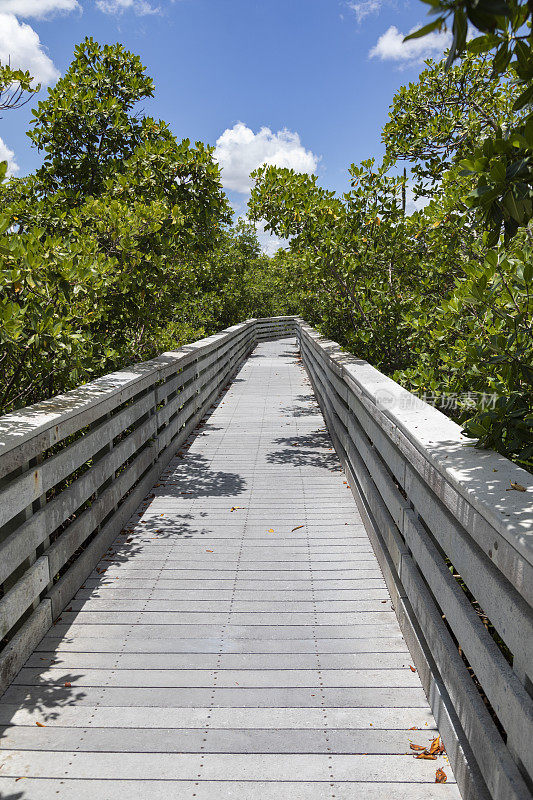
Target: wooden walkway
[(237, 641)]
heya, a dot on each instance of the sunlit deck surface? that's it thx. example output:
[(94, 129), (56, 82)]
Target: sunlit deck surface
[(237, 641)]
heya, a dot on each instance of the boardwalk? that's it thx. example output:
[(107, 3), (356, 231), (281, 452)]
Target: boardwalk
[(237, 641)]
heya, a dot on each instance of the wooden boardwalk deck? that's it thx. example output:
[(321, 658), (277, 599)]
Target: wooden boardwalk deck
[(237, 641)]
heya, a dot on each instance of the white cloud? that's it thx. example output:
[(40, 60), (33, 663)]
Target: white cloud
[(412, 204), (364, 8), (140, 7), (269, 242), (239, 151), (391, 47), (21, 47), (6, 154), (37, 8)]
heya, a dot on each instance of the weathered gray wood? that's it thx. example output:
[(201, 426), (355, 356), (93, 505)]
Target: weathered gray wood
[(376, 442), (18, 599), (422, 495), (24, 642), (290, 674), (26, 433), (157, 418)]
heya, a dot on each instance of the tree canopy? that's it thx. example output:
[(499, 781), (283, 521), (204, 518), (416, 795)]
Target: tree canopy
[(122, 245)]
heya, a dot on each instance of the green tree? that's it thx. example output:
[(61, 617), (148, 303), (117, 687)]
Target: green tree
[(103, 245), (421, 296), (85, 127), (16, 87), (502, 162)]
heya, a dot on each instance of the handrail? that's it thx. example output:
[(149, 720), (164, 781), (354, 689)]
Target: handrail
[(455, 543), (74, 468)]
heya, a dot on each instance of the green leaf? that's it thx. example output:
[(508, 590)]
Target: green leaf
[(431, 26), (523, 99), (481, 44)]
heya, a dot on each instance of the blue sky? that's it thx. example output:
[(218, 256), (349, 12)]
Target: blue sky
[(302, 83)]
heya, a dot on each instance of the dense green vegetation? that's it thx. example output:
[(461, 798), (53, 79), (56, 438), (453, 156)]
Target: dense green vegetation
[(433, 298), (121, 245)]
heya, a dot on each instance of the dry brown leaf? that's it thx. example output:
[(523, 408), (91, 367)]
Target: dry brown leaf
[(208, 551), (440, 776), (68, 684), (414, 728), (297, 528), (413, 669), (40, 724), (270, 530), (435, 745), (517, 486), (20, 778), (428, 756), (417, 746)]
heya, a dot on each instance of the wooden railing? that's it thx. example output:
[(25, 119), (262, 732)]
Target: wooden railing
[(73, 470), (454, 537)]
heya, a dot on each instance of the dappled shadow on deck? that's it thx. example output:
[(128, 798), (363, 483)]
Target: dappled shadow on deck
[(302, 407), (306, 450), (44, 698)]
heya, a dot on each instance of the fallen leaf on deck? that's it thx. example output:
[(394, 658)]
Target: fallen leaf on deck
[(414, 728), (40, 724), (208, 551), (440, 776), (416, 746), (270, 530), (21, 778), (68, 684), (428, 756), (297, 528), (413, 669), (435, 745), (517, 486)]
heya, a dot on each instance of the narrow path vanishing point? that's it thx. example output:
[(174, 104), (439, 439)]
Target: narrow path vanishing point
[(237, 641)]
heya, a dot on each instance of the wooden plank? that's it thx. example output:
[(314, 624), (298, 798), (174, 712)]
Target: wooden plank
[(25, 591), (24, 642)]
